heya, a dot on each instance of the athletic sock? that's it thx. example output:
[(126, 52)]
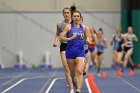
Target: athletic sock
[(72, 91)]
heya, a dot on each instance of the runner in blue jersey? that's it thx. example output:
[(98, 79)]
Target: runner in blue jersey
[(75, 53), (128, 47), (60, 27), (117, 40), (100, 49)]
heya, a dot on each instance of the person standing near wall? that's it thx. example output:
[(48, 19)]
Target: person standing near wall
[(128, 47), (60, 27), (117, 40), (75, 53)]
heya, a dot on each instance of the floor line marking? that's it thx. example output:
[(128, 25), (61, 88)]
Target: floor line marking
[(14, 78), (41, 91), (52, 83), (13, 85), (45, 85), (130, 84), (89, 89)]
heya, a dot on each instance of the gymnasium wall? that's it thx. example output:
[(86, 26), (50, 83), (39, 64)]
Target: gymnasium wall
[(32, 32), (45, 5)]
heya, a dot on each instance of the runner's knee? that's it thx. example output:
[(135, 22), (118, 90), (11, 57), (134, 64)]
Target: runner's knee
[(79, 72)]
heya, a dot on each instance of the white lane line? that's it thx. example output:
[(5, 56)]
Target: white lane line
[(52, 83), (89, 89), (54, 80), (13, 85), (41, 91), (14, 78), (131, 85)]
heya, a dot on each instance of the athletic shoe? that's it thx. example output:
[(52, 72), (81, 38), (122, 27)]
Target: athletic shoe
[(119, 74), (72, 91), (77, 91), (98, 74), (67, 85)]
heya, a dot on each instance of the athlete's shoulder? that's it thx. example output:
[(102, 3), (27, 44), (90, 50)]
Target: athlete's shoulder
[(92, 29), (125, 34), (122, 35), (85, 27), (113, 35), (68, 27), (59, 23), (95, 36)]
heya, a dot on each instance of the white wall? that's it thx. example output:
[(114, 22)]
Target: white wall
[(33, 34), (45, 5)]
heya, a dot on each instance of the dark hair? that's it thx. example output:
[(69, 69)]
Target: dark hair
[(66, 8), (73, 8), (101, 30)]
